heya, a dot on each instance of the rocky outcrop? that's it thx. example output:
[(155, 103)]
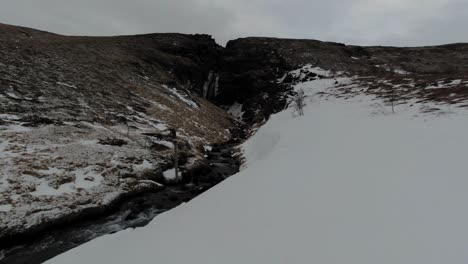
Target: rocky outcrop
[(248, 76)]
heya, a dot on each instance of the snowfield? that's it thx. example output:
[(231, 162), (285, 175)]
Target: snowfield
[(347, 183)]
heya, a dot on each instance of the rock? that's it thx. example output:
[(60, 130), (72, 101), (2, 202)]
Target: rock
[(32, 173), (35, 121), (159, 147), (56, 180), (113, 142), (249, 70)]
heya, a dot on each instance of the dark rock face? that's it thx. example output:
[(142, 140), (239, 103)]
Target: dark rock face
[(192, 57), (248, 76)]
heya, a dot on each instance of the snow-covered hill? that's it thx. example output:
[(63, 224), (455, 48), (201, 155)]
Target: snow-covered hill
[(348, 182)]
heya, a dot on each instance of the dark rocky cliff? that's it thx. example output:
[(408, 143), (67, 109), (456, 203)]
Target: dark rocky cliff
[(248, 76)]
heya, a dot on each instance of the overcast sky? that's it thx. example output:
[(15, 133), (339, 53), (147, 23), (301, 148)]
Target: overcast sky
[(364, 22)]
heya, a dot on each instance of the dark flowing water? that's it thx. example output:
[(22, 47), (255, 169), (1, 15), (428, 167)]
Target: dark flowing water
[(133, 212)]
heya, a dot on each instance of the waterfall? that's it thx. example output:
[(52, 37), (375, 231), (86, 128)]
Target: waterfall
[(206, 86), (216, 88), (211, 86)]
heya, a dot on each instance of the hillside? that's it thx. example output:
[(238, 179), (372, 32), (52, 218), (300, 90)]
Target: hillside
[(75, 113)]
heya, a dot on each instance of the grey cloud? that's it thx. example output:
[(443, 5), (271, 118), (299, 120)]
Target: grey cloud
[(110, 17), (367, 22)]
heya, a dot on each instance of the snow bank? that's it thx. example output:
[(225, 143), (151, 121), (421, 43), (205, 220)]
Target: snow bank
[(236, 110), (169, 175), (342, 184), (445, 84)]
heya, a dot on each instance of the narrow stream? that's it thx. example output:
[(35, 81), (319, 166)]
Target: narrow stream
[(134, 212)]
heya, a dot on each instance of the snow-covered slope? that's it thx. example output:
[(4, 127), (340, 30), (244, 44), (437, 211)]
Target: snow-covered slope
[(348, 182)]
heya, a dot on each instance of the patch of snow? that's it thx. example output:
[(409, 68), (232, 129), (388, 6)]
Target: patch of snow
[(456, 82), (181, 97), (88, 142), (67, 85), (3, 145), (169, 175), (45, 189), (160, 106), (9, 117), (308, 68), (160, 126), (12, 95), (5, 207), (51, 171), (17, 128), (164, 143), (281, 80), (236, 110), (145, 165), (315, 87), (15, 197), (150, 182), (401, 72), (83, 176), (208, 148), (444, 84)]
